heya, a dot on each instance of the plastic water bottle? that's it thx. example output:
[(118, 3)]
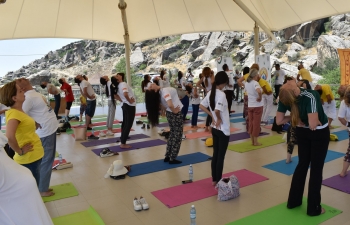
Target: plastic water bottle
[(190, 172), (193, 215), (60, 158), (92, 131)]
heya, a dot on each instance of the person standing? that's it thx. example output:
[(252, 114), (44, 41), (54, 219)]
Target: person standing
[(189, 76), (304, 74), (235, 85), (228, 90), (279, 79), (88, 92), (164, 82), (104, 81), (217, 103), (168, 98), (195, 100), (127, 96), (36, 106), (51, 89), (328, 102), (182, 94), (267, 99), (312, 132), (69, 96)]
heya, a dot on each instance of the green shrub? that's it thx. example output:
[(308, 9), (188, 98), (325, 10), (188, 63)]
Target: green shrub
[(328, 26), (142, 66)]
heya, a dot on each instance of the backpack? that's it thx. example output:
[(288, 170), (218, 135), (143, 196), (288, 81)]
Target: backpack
[(276, 127), (228, 188)]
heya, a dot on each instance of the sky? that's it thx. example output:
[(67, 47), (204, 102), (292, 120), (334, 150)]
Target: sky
[(19, 52)]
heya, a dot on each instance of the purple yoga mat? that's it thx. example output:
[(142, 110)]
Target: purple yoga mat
[(339, 183), (241, 136), (167, 124), (111, 140), (134, 146)]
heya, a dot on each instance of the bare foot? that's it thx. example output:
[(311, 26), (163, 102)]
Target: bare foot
[(125, 146), (257, 144), (206, 129), (47, 194), (192, 126), (323, 211), (214, 183), (288, 160), (343, 175), (50, 189)]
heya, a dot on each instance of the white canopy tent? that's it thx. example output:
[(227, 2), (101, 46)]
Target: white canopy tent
[(146, 19)]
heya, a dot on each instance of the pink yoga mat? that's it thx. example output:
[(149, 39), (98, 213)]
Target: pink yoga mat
[(205, 134), (186, 193)]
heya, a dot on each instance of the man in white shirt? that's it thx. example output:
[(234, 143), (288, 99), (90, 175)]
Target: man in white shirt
[(229, 87), (51, 89), (279, 79), (88, 92), (36, 106)]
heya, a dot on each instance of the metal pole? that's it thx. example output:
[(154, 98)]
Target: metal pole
[(256, 40), (122, 6)]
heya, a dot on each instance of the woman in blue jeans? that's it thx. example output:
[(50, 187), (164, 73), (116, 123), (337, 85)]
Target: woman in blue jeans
[(195, 100)]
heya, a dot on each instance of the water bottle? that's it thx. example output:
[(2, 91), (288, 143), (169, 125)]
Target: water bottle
[(193, 215), (92, 131), (60, 158), (190, 172)]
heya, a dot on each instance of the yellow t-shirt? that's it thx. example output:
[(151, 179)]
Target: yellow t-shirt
[(245, 76), (305, 74), (264, 83), (326, 90), (25, 133), (82, 100)]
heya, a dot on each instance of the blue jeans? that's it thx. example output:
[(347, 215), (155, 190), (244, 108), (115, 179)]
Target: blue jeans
[(49, 145), (57, 103), (34, 167), (195, 109), (185, 102)]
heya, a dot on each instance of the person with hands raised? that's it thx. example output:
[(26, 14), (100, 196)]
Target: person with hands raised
[(216, 106), (312, 133), (20, 130), (168, 98)]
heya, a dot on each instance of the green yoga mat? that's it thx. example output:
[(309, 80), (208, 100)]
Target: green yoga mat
[(280, 214), (70, 131), (161, 120), (87, 217), (247, 145), (62, 191)]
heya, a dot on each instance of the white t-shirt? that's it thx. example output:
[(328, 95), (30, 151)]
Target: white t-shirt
[(109, 89), (165, 80), (195, 101), (35, 106), (167, 94), (189, 77), (122, 88), (250, 88), (90, 90), (183, 83), (51, 88), (221, 105), (207, 88), (230, 81), (147, 86), (344, 111), (279, 77)]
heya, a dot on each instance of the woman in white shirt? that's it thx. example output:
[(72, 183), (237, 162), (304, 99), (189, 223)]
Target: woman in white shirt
[(145, 83), (344, 118), (195, 100), (184, 100), (104, 81), (216, 102), (168, 98), (164, 79), (255, 105)]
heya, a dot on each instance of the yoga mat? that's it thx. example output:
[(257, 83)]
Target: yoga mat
[(96, 133), (160, 165), (134, 146), (56, 161), (247, 145), (111, 140), (237, 120), (342, 135), (205, 134), (96, 128), (161, 119), (62, 191), (87, 217), (288, 169), (231, 115), (186, 193), (280, 214), (189, 128), (241, 136), (338, 182), (167, 124)]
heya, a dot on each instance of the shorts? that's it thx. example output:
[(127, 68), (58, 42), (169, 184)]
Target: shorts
[(82, 109), (90, 108), (68, 105), (330, 109)]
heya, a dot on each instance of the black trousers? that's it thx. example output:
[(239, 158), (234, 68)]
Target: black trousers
[(229, 97), (312, 151), (220, 143), (128, 120), (277, 90)]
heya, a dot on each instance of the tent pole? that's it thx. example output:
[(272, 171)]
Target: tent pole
[(255, 18), (256, 40), (122, 6)]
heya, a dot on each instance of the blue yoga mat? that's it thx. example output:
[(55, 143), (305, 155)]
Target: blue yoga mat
[(288, 169), (160, 165), (237, 120), (342, 135)]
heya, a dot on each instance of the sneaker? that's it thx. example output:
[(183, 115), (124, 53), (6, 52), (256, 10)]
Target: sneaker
[(102, 134), (144, 204), (137, 205), (106, 153), (93, 137), (109, 133)]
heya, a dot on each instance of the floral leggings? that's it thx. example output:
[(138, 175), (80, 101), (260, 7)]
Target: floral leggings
[(291, 139), (347, 154), (175, 137)]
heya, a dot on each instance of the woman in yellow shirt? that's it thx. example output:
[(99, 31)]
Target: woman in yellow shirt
[(20, 130)]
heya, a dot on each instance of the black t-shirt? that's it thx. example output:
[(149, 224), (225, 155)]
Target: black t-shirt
[(309, 101)]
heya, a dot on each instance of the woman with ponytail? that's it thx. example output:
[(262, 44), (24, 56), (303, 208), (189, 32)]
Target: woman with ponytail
[(104, 81), (312, 131), (216, 102), (145, 83)]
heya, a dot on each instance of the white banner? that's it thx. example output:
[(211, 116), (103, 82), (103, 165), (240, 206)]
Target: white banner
[(265, 66)]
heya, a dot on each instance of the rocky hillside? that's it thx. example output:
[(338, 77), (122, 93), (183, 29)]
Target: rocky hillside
[(310, 42)]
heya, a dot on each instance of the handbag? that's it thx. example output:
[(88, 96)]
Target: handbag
[(228, 188)]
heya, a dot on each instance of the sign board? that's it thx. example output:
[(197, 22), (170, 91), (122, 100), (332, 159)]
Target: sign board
[(265, 66), (344, 58), (220, 61)]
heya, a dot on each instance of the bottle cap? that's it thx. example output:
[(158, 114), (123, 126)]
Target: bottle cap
[(192, 206)]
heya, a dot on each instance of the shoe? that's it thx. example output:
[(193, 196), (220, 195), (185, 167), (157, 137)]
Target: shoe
[(93, 137), (183, 137), (102, 134), (137, 205), (143, 126), (109, 133), (58, 131), (139, 122), (89, 128), (148, 127), (166, 159), (107, 153), (144, 204), (175, 161)]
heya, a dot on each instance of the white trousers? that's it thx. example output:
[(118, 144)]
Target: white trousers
[(268, 102)]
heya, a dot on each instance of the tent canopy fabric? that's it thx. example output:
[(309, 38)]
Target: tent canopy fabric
[(101, 19)]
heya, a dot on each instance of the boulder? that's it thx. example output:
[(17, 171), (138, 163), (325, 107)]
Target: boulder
[(269, 46), (340, 25), (196, 64), (296, 47), (309, 61), (243, 53), (213, 43), (189, 37), (137, 58), (291, 54), (302, 33), (242, 45), (168, 51), (327, 46), (198, 51), (103, 52)]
